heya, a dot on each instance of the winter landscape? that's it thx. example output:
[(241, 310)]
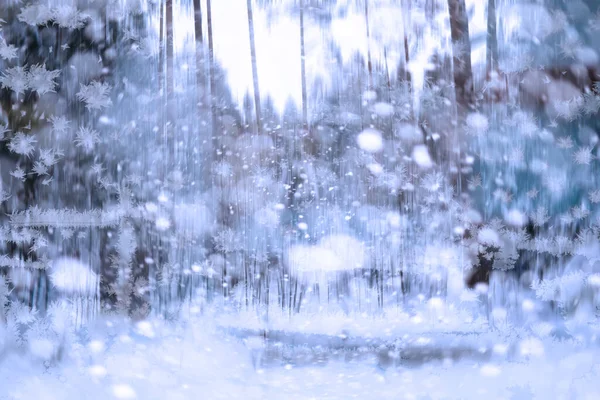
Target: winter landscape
[(300, 199)]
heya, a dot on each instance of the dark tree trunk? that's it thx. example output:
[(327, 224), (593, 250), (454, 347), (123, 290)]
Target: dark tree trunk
[(170, 50), (199, 50), (254, 68), (303, 68), (461, 48), (211, 55)]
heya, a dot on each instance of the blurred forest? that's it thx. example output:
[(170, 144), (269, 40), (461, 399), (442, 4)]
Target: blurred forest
[(299, 156)]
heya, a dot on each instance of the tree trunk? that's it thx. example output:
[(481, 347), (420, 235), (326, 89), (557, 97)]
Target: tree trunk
[(199, 50), (369, 64), (254, 68), (461, 48), (211, 73), (170, 50), (492, 39), (303, 68), (161, 47)]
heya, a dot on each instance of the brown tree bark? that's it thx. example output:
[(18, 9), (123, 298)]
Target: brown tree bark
[(461, 48)]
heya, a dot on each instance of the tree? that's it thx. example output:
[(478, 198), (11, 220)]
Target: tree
[(461, 49), (254, 68)]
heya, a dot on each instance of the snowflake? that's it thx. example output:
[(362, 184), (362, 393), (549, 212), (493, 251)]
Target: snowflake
[(595, 196), (4, 196), (532, 194), (59, 124), (16, 79), (41, 80), (22, 144), (19, 174), (583, 156), (3, 129), (49, 157), (432, 182), (540, 217), (68, 17), (95, 95), (36, 15), (565, 142), (591, 103), (580, 212), (7, 52), (40, 168), (475, 182), (96, 169), (86, 137)]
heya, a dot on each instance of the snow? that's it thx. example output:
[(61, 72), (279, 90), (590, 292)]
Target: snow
[(370, 140), (185, 362), (420, 155), (73, 277)]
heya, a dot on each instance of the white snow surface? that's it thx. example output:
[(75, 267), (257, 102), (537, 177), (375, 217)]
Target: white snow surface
[(192, 361)]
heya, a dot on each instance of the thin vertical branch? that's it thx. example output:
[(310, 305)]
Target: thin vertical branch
[(211, 62), (199, 50), (369, 63), (161, 46), (170, 51), (303, 68), (254, 68)]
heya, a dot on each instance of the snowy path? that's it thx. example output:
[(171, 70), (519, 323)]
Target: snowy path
[(193, 363)]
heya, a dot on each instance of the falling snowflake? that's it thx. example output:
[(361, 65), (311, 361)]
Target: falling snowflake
[(22, 144), (59, 124), (7, 52), (16, 79), (565, 142), (595, 196), (579, 212), (86, 137), (540, 217), (532, 194), (49, 157), (38, 14), (19, 174), (475, 182), (95, 95), (583, 156), (40, 168), (68, 17), (41, 80)]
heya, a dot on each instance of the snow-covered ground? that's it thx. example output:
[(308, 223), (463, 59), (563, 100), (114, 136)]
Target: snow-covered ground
[(158, 361)]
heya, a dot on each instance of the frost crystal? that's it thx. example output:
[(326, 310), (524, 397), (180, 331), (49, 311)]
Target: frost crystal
[(22, 144), (86, 138), (41, 80), (95, 95), (16, 79)]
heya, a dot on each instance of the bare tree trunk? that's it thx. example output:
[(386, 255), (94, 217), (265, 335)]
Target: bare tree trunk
[(369, 64), (170, 50), (254, 68), (405, 15), (492, 39), (211, 73), (303, 68), (199, 50), (461, 48), (198, 21), (161, 47)]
